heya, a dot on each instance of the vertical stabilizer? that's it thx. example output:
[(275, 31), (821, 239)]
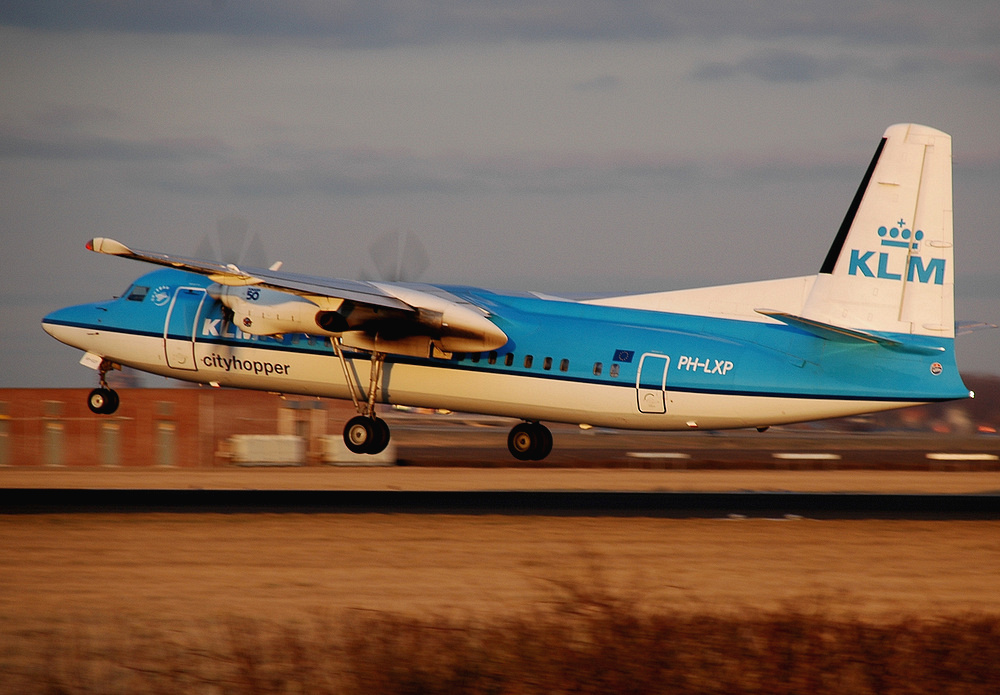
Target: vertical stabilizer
[(891, 266)]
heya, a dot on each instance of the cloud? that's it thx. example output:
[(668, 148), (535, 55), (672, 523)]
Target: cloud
[(802, 65), (65, 116), (774, 66), (792, 42), (394, 22), (283, 171), (20, 144), (354, 172)]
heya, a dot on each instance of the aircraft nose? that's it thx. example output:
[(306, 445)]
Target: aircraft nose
[(54, 319), (63, 324)]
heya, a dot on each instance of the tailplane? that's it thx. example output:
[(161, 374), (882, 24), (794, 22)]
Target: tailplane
[(891, 266)]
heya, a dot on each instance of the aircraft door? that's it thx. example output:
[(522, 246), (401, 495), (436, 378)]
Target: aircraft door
[(651, 383), (180, 327)]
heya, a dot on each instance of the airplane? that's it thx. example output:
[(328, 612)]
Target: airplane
[(873, 330)]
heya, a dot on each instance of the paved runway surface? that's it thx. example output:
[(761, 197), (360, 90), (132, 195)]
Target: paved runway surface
[(815, 505)]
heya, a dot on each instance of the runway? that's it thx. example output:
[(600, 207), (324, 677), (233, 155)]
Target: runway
[(579, 503)]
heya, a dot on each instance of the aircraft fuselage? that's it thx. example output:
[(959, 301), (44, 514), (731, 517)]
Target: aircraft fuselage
[(566, 361)]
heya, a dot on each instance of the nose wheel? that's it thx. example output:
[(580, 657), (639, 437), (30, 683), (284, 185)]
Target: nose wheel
[(529, 441), (103, 400)]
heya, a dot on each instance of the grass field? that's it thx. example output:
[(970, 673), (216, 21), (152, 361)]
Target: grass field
[(400, 603)]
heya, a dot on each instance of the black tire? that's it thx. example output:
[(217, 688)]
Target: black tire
[(529, 441), (380, 440), (366, 435), (102, 401), (544, 442), (359, 433), (113, 402)]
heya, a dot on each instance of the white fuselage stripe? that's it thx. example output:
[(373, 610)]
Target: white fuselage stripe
[(480, 391)]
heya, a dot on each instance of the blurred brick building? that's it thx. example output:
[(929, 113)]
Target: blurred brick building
[(184, 427)]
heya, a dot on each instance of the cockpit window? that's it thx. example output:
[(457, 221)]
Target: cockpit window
[(137, 293)]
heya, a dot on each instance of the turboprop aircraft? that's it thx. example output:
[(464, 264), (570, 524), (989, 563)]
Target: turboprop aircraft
[(873, 330)]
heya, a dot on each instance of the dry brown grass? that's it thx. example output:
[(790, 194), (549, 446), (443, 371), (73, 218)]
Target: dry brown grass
[(222, 604), (586, 640)]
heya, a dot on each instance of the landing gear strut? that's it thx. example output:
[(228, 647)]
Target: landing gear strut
[(365, 433), (103, 400), (529, 441)]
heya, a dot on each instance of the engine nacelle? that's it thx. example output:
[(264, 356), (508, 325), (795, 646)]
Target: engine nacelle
[(454, 325), (260, 311), (436, 322)]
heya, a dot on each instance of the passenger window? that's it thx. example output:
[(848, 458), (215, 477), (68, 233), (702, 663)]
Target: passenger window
[(459, 356), (493, 358), (547, 363), (563, 365), (598, 368), (614, 370), (528, 359), (137, 293), (475, 358), (508, 359)]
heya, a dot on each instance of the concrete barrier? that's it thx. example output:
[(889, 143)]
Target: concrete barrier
[(267, 450)]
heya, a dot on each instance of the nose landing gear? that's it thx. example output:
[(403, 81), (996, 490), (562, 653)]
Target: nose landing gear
[(103, 400)]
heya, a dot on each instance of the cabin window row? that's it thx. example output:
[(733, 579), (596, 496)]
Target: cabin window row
[(529, 362)]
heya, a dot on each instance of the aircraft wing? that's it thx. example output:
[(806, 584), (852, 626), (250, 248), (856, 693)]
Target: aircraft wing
[(375, 316), (231, 275)]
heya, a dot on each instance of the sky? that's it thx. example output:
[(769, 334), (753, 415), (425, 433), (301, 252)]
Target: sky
[(552, 145)]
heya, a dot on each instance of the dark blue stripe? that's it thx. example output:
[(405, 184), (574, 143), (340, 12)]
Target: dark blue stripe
[(514, 371)]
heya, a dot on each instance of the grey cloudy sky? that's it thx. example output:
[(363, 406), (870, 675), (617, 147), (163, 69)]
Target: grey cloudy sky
[(550, 145)]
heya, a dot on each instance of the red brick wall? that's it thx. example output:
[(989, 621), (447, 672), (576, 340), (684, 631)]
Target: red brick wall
[(183, 427)]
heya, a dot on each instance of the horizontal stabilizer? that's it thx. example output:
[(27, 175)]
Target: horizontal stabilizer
[(966, 327), (828, 331)]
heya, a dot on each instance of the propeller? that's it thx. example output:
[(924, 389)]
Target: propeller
[(233, 243), (398, 258)]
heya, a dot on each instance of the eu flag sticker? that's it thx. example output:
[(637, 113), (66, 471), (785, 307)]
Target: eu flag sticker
[(623, 355)]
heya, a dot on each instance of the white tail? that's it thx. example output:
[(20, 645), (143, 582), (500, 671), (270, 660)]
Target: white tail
[(891, 267)]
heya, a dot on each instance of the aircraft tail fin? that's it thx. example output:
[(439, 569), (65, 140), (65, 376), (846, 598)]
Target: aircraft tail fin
[(891, 266)]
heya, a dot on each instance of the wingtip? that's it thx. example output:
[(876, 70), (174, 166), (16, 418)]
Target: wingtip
[(108, 246)]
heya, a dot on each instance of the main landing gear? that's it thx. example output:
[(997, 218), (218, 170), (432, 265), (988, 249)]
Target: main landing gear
[(103, 400), (529, 441), (365, 433)]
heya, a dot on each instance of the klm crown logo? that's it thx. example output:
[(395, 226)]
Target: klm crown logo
[(899, 236), (904, 234)]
